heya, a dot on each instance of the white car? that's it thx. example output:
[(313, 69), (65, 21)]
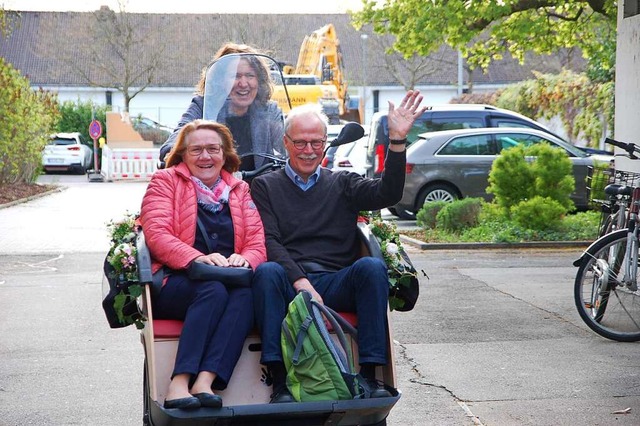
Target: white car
[(67, 152), (352, 157)]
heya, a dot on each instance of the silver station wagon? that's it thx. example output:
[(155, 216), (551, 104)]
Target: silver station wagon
[(454, 164)]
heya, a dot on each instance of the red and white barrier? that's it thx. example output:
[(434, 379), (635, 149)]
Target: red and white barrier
[(129, 163)]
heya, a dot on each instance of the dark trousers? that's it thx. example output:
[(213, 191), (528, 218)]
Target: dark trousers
[(216, 323), (362, 288)]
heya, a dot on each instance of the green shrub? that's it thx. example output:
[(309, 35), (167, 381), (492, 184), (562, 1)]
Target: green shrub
[(510, 179), (538, 213), (27, 117), (493, 228), (77, 116), (585, 107), (426, 216), (459, 214), (553, 174), (515, 176)]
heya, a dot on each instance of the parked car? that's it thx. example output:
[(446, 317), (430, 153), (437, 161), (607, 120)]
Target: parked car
[(151, 130), (444, 117), (454, 164), (67, 152), (352, 157)]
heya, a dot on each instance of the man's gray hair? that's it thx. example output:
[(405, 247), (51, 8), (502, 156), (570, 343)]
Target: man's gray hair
[(306, 110)]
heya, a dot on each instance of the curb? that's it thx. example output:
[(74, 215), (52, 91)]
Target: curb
[(466, 246), (33, 197)]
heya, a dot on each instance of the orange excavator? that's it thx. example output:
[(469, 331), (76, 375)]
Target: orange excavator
[(318, 77)]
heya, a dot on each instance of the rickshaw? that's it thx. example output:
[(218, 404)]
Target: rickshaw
[(246, 398)]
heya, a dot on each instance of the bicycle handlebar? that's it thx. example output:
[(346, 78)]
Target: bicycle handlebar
[(274, 164), (250, 174), (630, 148)]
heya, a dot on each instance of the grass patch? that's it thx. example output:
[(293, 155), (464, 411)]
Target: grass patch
[(582, 226)]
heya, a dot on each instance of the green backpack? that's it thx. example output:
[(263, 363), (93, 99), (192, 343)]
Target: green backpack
[(318, 369)]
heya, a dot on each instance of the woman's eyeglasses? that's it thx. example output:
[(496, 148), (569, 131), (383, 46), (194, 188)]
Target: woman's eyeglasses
[(300, 144), (198, 150)]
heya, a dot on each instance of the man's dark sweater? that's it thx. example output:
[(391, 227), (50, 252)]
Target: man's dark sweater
[(320, 224)]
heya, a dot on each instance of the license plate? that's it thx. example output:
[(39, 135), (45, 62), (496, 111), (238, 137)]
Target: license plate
[(55, 161)]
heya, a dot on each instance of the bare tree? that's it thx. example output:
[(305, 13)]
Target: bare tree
[(265, 34), (134, 49), (116, 50), (409, 72)]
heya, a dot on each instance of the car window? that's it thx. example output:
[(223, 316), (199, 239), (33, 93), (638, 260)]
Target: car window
[(436, 124), (62, 141), (508, 140), (501, 122), (468, 145)]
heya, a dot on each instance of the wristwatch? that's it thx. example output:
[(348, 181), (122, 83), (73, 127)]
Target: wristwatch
[(398, 141)]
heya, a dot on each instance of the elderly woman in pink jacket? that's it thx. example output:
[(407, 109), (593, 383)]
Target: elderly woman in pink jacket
[(198, 186)]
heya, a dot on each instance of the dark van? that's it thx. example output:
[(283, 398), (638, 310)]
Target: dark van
[(442, 117)]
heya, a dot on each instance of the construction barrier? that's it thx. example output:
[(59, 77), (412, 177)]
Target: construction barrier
[(129, 163)]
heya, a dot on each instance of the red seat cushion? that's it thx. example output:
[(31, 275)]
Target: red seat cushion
[(170, 329), (349, 316), (167, 329)]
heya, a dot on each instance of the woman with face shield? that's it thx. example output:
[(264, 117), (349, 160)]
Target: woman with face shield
[(238, 93)]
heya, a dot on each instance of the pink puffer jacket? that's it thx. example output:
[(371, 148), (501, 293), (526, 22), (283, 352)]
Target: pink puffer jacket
[(169, 212)]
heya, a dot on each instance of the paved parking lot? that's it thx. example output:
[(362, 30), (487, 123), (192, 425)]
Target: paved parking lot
[(494, 339), (71, 220)]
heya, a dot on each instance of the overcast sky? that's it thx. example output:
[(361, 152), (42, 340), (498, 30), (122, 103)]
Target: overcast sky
[(191, 6)]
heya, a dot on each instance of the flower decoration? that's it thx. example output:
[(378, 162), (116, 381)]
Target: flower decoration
[(122, 258), (401, 272)]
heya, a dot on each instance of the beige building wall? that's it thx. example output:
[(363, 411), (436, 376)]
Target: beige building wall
[(627, 105), (121, 134)]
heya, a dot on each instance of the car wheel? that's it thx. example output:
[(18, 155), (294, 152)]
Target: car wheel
[(437, 192)]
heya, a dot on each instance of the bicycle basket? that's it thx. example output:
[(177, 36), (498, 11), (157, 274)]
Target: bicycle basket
[(600, 177)]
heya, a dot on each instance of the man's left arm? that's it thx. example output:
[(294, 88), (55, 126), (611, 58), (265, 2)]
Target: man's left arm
[(388, 190)]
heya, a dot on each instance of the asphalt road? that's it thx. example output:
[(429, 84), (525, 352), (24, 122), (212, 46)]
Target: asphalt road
[(494, 339)]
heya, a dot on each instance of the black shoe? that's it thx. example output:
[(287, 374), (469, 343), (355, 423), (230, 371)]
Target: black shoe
[(209, 399), (280, 395), (188, 403), (375, 389)]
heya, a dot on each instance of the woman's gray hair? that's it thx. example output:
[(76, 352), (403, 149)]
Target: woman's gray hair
[(306, 110)]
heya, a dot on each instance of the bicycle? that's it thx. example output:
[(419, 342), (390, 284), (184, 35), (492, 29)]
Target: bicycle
[(606, 285), (618, 196)]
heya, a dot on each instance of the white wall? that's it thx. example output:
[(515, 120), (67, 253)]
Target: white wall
[(162, 105), (166, 105), (627, 124)]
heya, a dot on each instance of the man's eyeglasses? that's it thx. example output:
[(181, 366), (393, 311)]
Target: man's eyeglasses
[(198, 150), (300, 144)]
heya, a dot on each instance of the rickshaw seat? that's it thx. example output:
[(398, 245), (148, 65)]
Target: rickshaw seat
[(166, 329), (171, 329)]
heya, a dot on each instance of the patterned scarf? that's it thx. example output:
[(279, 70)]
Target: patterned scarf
[(212, 199)]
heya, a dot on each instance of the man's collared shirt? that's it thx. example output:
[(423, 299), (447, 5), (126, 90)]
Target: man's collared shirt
[(299, 181)]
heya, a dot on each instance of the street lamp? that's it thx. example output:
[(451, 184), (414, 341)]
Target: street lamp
[(364, 38)]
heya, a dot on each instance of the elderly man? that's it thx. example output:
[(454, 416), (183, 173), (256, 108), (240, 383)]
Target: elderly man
[(310, 220)]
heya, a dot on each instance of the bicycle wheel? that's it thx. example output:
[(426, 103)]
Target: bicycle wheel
[(605, 303), (607, 226)]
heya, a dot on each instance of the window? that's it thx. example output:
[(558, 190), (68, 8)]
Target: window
[(436, 124), (468, 145), (631, 8), (510, 123), (508, 140)]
